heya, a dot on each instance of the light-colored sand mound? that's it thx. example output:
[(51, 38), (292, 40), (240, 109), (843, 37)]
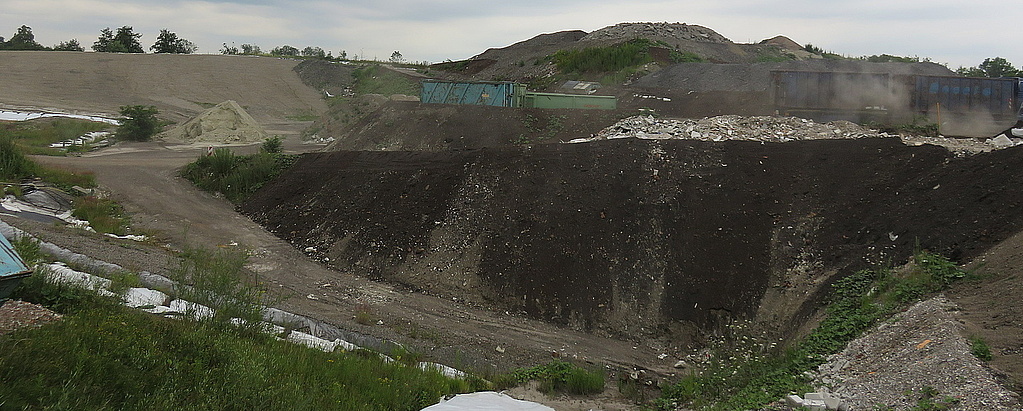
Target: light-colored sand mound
[(226, 122)]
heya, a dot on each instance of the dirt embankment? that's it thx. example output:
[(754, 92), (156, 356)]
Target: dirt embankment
[(640, 238), (180, 86)]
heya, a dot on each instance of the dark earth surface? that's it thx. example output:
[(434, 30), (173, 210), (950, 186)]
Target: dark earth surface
[(641, 238)]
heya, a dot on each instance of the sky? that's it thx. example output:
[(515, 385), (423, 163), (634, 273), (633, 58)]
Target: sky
[(953, 32)]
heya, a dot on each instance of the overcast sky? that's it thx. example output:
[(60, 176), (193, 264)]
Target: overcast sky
[(955, 32)]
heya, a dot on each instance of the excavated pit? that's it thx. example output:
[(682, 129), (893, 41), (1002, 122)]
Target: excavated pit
[(642, 238)]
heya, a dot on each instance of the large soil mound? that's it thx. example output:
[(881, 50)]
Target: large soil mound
[(180, 86), (226, 122), (641, 237)]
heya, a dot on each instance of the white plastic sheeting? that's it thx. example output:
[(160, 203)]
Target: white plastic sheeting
[(141, 297), (10, 115), (486, 401)]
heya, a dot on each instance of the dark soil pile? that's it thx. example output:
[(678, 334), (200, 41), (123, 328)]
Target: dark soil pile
[(403, 125), (638, 237)]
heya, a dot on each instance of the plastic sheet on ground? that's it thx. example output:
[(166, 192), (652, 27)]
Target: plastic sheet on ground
[(64, 275), (197, 311), (486, 401)]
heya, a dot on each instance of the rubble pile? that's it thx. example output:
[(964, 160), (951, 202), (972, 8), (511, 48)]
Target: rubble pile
[(732, 127), (678, 31)]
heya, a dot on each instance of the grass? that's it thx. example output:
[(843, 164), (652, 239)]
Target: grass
[(216, 280), (980, 349), (754, 378), (604, 59), (559, 376), (104, 215), (35, 136), (236, 176), (104, 356), (375, 79)]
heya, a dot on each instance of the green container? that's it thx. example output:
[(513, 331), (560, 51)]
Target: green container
[(577, 101)]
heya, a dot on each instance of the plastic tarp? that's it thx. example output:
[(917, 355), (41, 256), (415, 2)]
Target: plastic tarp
[(486, 401)]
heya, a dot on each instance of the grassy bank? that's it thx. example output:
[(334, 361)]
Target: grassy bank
[(745, 373), (35, 136), (104, 356)]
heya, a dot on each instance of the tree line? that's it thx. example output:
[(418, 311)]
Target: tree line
[(124, 40)]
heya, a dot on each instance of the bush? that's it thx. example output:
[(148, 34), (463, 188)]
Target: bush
[(13, 164), (236, 177), (604, 59), (216, 280), (560, 376), (272, 145), (138, 123)]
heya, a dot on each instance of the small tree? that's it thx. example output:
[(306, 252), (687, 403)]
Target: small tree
[(138, 123), (22, 40), (251, 49), (313, 52), (169, 42), (70, 45), (396, 57), (271, 145), (285, 50), (229, 50), (124, 41)]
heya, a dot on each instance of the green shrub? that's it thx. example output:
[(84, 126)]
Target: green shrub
[(272, 145), (13, 163), (679, 56), (604, 59), (28, 249), (234, 176), (138, 123), (980, 349), (560, 376), (215, 278)]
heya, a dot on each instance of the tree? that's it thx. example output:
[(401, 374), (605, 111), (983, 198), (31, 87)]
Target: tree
[(229, 50), (138, 123), (22, 40), (251, 49), (127, 37), (70, 45), (396, 57), (124, 41), (991, 67), (314, 52), (343, 56), (285, 50), (169, 42)]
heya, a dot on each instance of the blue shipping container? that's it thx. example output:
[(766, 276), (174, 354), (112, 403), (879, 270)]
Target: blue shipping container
[(499, 94), (996, 96), (12, 269)]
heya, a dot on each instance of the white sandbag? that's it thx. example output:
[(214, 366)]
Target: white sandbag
[(141, 297), (443, 369), (486, 401), (197, 311), (61, 274), (311, 341)]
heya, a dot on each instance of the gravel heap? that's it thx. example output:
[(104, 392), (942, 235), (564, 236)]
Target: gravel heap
[(732, 127), (920, 349), (678, 31), (15, 315)]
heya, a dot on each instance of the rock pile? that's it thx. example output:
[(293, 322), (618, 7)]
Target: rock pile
[(678, 31), (732, 127), (920, 356)]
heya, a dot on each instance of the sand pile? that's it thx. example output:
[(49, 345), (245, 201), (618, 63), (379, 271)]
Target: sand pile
[(224, 123)]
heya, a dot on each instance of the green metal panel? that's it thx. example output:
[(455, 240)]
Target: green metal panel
[(555, 100)]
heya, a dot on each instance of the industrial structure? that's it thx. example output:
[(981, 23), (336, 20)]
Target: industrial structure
[(508, 94)]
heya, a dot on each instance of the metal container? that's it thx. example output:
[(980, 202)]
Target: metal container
[(848, 96), (499, 94), (576, 101), (997, 97), (12, 269)]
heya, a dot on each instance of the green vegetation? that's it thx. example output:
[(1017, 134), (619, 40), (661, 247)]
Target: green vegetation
[(169, 42), (104, 215), (35, 136), (105, 357), (375, 79), (604, 59), (921, 126), (980, 349), (541, 129), (13, 164), (216, 281), (678, 56), (817, 50), (743, 374), (560, 376), (236, 176), (138, 123), (992, 67), (126, 40)]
